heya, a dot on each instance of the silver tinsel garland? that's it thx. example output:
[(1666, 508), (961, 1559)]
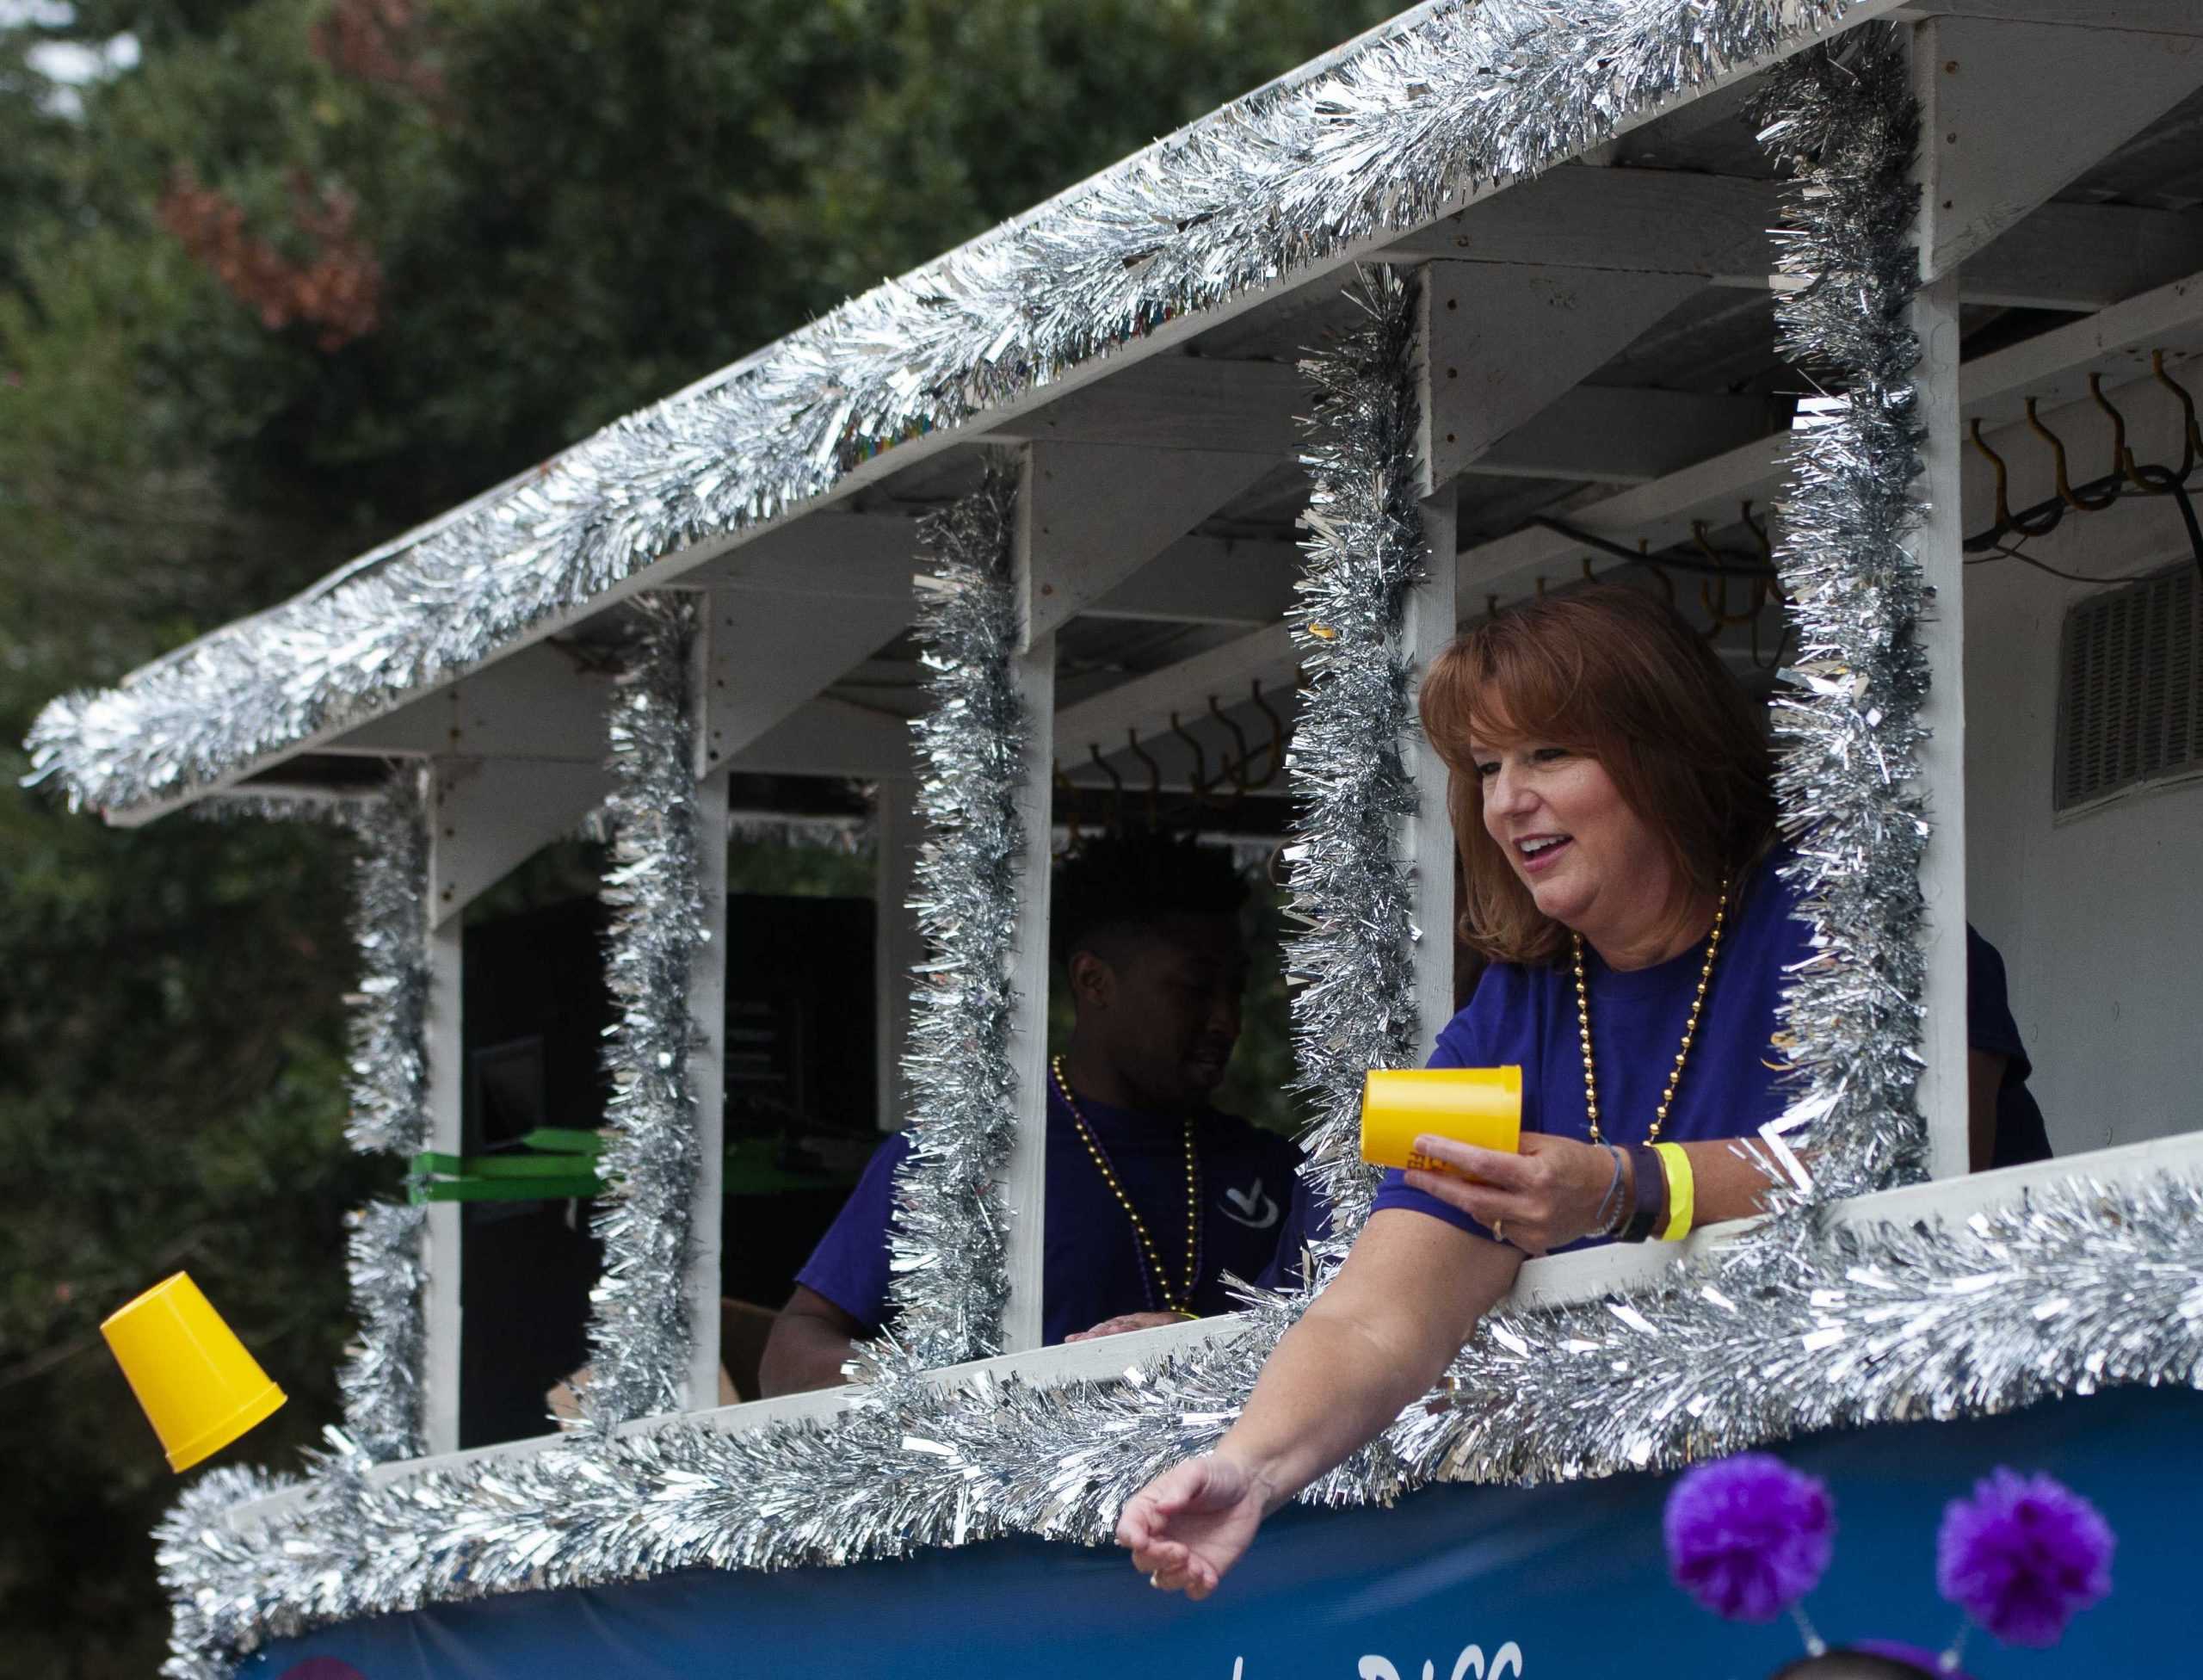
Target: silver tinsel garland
[(381, 1376), (1802, 1324), (1353, 968), (950, 1279), (1843, 119), (1394, 133), (640, 1334), (2082, 1286)]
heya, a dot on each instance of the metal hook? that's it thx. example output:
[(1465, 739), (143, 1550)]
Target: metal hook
[(1201, 758), (1277, 736), (2065, 485), (1763, 540), (2190, 440), (1491, 606), (1721, 615), (1116, 781), (2122, 458), (1996, 461), (1154, 774), (1589, 576), (1239, 739)]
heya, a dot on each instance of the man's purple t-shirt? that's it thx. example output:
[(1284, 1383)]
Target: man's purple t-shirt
[(1091, 1265), (1730, 1087)]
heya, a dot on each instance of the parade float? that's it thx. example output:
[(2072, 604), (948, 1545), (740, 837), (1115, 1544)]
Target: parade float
[(1866, 332)]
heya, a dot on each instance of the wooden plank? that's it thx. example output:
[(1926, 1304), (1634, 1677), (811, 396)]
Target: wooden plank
[(1207, 580), (1427, 835), (1670, 221), (1982, 102), (1625, 434), (1505, 340), (540, 703), (897, 831), (1942, 173), (2053, 367), (493, 814), (1177, 402), (771, 653), (831, 735), (707, 1052), (441, 1292), (2177, 17), (1090, 514), (1024, 1179)]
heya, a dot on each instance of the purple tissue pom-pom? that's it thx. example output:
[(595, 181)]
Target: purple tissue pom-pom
[(2023, 1556), (1749, 1536)]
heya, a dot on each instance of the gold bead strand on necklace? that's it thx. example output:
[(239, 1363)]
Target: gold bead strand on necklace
[(1690, 1027), (1173, 1301)]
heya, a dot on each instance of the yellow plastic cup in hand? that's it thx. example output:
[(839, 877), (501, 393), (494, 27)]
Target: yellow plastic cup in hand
[(199, 1388), (1474, 1105)]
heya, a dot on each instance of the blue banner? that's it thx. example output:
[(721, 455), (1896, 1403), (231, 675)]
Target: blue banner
[(1453, 1584)]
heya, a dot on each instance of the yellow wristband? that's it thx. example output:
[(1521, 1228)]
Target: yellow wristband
[(1683, 1191)]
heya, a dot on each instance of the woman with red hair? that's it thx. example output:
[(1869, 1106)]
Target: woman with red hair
[(1612, 800)]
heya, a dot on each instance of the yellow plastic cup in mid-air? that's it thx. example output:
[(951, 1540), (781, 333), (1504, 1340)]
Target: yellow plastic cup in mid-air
[(1476, 1105), (199, 1388)]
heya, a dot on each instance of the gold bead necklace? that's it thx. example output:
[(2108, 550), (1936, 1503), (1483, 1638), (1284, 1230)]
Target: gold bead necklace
[(1173, 1302), (1690, 1027)]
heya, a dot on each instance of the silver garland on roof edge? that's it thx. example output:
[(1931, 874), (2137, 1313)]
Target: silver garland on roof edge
[(1804, 1324), (1844, 121), (1354, 1004), (640, 1335), (950, 1277), (1399, 130)]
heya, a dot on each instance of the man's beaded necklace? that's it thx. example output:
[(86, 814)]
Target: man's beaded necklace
[(1178, 1302), (1690, 1027)]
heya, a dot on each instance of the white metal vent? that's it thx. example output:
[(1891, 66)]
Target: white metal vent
[(2130, 701)]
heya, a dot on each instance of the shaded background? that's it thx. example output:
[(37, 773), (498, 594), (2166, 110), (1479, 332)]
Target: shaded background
[(278, 281)]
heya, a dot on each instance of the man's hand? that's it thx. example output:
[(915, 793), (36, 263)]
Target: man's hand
[(1539, 1200), (1189, 1525), (1123, 1322)]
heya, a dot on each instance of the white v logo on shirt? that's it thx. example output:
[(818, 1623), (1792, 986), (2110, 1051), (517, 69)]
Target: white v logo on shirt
[(1251, 1207)]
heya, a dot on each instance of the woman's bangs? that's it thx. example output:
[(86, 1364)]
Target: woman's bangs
[(1525, 692)]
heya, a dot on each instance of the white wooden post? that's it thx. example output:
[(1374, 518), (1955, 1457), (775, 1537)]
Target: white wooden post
[(898, 946), (1428, 842), (707, 1007), (1024, 1190), (1934, 317), (447, 1087)]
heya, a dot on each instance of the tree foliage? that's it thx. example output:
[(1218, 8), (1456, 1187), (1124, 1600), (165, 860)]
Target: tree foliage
[(306, 274)]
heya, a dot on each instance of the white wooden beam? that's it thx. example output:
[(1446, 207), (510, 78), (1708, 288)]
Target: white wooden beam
[(830, 736), (493, 814), (2177, 17), (1207, 580), (1175, 402), (541, 702), (444, 1323), (1024, 1179), (2074, 257), (2052, 366), (1503, 341), (897, 831), (1144, 704), (1090, 514), (1940, 633), (1427, 836), (1624, 435), (708, 1055), (1985, 88), (771, 650)]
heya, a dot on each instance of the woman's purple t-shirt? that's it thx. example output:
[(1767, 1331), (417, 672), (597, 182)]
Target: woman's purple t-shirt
[(1091, 1265), (1728, 1089)]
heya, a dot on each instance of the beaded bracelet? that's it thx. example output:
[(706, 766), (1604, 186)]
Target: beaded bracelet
[(1613, 1208)]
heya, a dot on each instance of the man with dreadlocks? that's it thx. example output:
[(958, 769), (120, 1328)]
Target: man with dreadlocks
[(1152, 1195)]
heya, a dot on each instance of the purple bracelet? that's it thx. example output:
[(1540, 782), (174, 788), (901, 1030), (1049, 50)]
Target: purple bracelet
[(1652, 1193)]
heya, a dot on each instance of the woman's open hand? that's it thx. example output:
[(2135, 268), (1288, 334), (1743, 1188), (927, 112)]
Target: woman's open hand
[(1189, 1525), (1548, 1195)]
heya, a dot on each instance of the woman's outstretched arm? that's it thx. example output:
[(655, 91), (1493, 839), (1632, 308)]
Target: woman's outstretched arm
[(1409, 1294)]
